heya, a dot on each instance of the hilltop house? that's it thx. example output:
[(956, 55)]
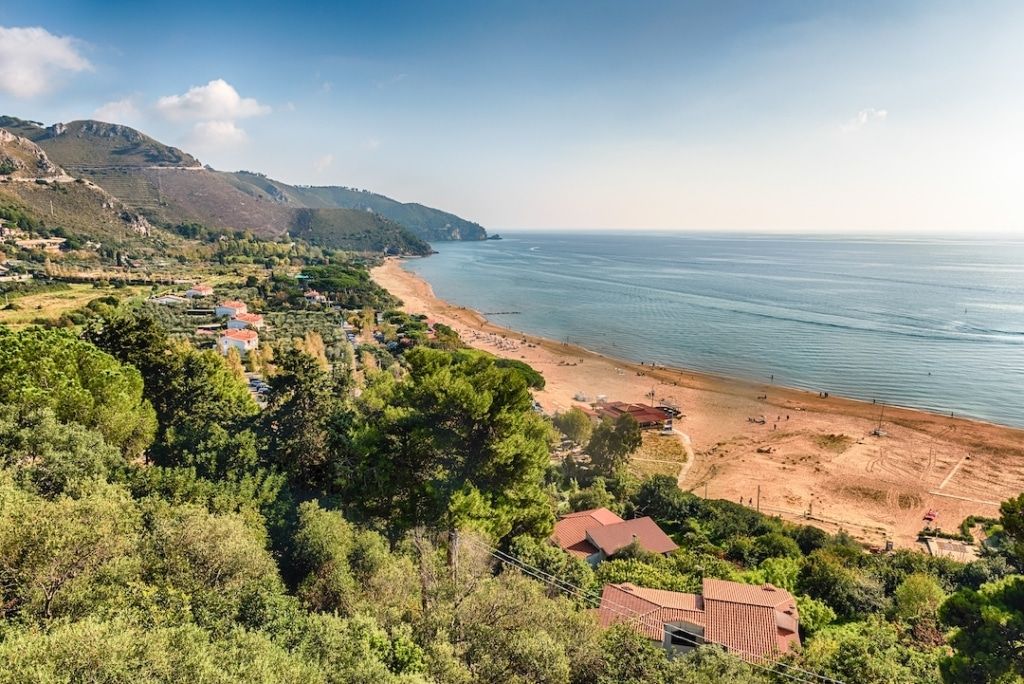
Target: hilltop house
[(753, 621), (599, 534), (242, 340), (231, 308), (246, 320), (199, 291)]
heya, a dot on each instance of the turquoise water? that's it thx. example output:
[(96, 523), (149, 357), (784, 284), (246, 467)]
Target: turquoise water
[(929, 323)]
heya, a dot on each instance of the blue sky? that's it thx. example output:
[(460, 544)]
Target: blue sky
[(781, 116)]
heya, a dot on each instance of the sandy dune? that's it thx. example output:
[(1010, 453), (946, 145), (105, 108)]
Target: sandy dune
[(874, 487)]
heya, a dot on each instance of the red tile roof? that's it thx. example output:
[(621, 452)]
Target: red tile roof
[(613, 538), (753, 621), (642, 413), (249, 317), (233, 303), (571, 531), (241, 334)]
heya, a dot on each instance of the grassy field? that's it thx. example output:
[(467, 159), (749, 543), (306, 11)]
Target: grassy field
[(658, 455), (50, 305)]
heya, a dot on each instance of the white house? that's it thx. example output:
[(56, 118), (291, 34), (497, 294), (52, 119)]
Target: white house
[(199, 291), (168, 300), (246, 320), (231, 308), (314, 296), (242, 340)]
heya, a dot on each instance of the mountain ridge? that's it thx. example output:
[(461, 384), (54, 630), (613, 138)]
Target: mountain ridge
[(170, 186)]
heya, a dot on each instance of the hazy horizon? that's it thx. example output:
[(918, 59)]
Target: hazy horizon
[(789, 117)]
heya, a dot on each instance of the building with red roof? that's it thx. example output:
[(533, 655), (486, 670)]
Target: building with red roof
[(753, 621), (598, 534), (231, 308), (246, 320), (242, 340), (199, 291), (646, 416)]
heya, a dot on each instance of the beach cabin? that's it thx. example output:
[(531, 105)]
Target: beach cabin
[(242, 340), (647, 416), (231, 308)]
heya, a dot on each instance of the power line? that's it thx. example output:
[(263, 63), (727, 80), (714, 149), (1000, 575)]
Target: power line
[(579, 592), (673, 630)]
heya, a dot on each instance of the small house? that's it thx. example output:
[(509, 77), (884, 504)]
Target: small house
[(231, 308), (599, 534), (199, 291), (242, 340), (246, 320), (168, 300), (753, 621)]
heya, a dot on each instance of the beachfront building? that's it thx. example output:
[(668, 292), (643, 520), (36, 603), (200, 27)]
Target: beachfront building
[(646, 416), (246, 320), (242, 340), (753, 621), (231, 308), (599, 534), (199, 291)]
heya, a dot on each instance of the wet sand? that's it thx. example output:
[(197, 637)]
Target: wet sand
[(818, 455)]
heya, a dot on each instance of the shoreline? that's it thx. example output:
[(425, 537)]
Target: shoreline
[(825, 461)]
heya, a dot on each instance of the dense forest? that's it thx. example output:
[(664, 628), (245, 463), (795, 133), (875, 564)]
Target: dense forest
[(384, 516)]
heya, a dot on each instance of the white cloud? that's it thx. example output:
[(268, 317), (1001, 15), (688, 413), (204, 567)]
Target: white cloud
[(217, 133), (216, 101), (323, 162), (863, 118), (31, 59), (122, 111)]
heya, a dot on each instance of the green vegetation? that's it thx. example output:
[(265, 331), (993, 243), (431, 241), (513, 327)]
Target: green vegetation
[(155, 523), (160, 521), (356, 231), (424, 222)]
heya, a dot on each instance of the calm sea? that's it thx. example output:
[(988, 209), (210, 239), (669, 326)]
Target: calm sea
[(928, 323)]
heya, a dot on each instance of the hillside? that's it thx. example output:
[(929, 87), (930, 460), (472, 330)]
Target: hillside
[(32, 185), (339, 228), (91, 144), (22, 159), (426, 222), (170, 186)]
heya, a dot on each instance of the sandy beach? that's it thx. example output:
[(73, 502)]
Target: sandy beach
[(814, 459)]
